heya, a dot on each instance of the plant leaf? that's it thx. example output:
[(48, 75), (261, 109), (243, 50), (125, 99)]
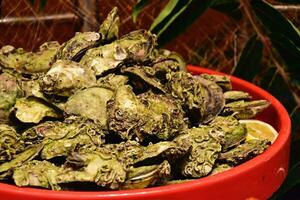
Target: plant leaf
[(139, 6), (273, 82), (290, 54), (274, 21), (287, 50), (176, 11), (166, 11), (250, 60), (185, 13)]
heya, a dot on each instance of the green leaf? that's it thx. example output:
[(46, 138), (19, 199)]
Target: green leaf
[(182, 16), (291, 181), (250, 60), (289, 53), (167, 10), (139, 6), (274, 21), (287, 50), (273, 82), (175, 12)]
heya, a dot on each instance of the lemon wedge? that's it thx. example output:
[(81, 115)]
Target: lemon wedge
[(257, 129)]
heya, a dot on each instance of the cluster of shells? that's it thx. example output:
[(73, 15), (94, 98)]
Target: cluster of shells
[(102, 112)]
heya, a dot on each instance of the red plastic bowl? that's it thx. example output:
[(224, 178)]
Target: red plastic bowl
[(259, 178)]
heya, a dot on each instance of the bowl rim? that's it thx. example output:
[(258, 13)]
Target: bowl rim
[(284, 129)]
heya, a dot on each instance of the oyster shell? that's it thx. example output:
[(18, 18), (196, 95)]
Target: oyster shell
[(109, 29), (222, 80), (129, 117), (37, 173), (112, 81), (99, 167), (173, 121), (33, 110), (140, 77), (229, 131), (244, 151), (75, 48), (245, 109), (135, 46), (145, 176), (10, 91), (21, 158), (28, 62), (65, 77), (203, 98), (90, 103), (204, 152), (236, 95), (10, 143)]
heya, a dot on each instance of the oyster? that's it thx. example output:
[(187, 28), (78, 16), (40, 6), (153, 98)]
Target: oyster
[(126, 152), (222, 80), (161, 67), (10, 91), (90, 103), (168, 150), (228, 130), (244, 151), (84, 133), (204, 152), (128, 117), (65, 77), (135, 46), (245, 109), (33, 110), (12, 58), (75, 48), (236, 95), (28, 62), (109, 29), (112, 81), (40, 61), (55, 130), (203, 98), (37, 173), (21, 158), (140, 77), (145, 176), (166, 55), (133, 117), (32, 87), (99, 167), (10, 143), (170, 111), (51, 130)]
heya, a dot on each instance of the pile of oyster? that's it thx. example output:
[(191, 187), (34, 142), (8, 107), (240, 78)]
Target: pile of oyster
[(102, 112)]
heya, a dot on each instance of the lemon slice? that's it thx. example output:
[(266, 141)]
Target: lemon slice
[(257, 129)]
